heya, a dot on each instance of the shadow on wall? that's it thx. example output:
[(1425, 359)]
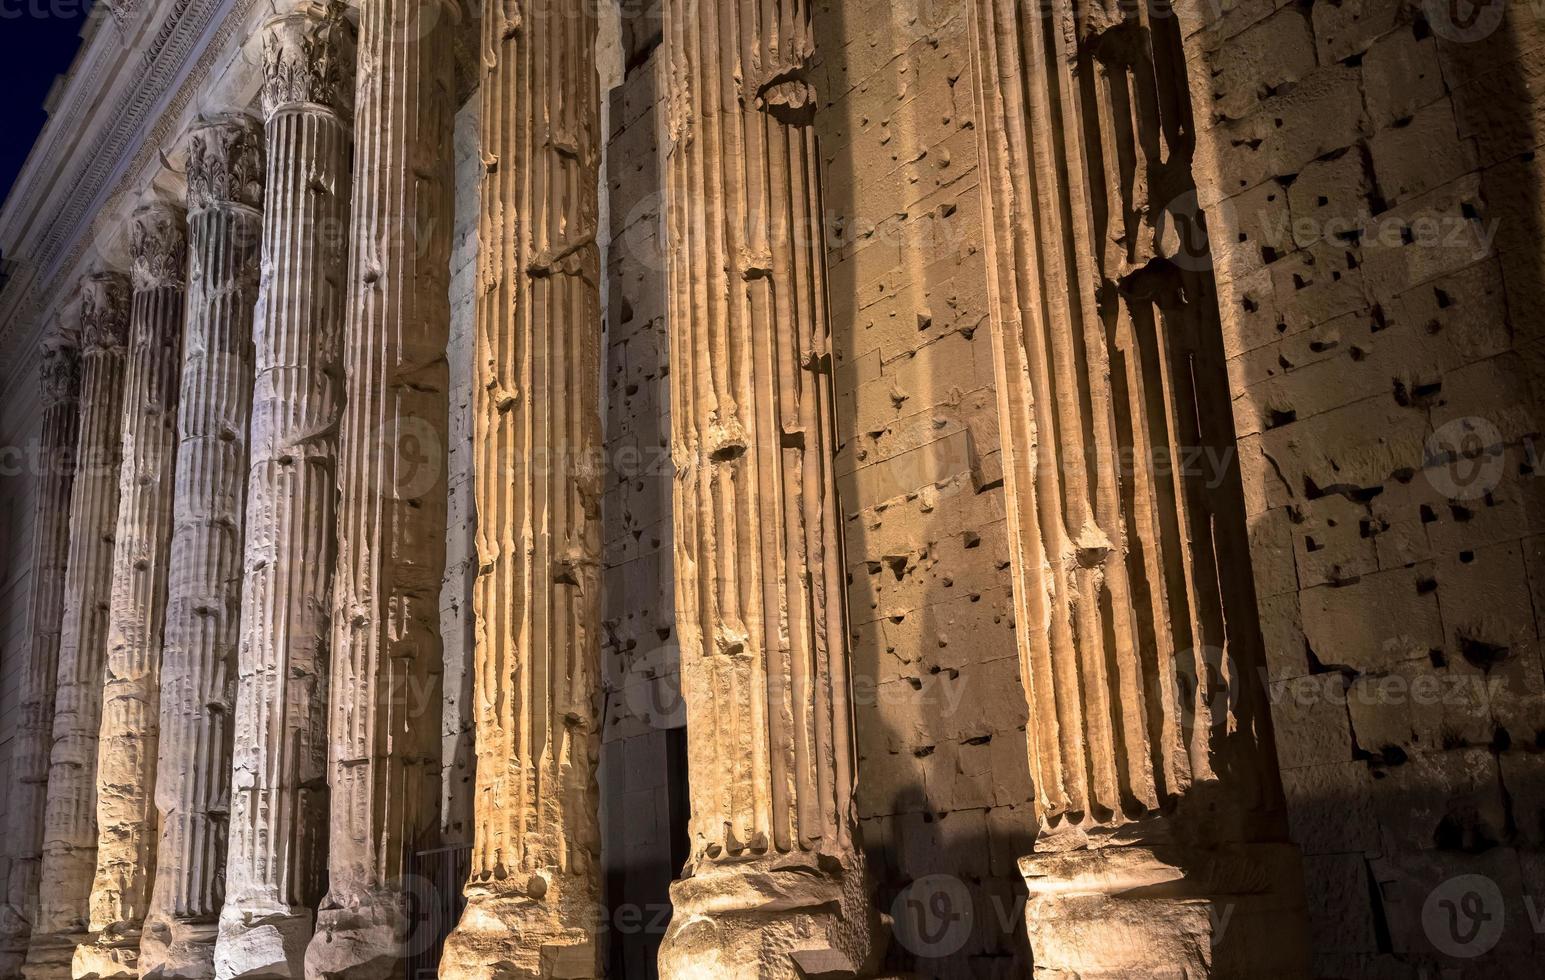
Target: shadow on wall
[(943, 785), (1369, 179)]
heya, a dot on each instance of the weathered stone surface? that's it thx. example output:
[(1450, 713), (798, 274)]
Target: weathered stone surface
[(775, 868), (60, 379), (384, 712), (69, 817), (534, 895), (198, 660), (1140, 639), (275, 864), (130, 711)]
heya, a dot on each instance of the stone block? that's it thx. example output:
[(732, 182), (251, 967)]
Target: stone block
[(1377, 621)]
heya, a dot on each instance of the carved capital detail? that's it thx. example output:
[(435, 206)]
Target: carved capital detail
[(158, 247), (308, 57), (60, 372), (225, 162), (104, 311)]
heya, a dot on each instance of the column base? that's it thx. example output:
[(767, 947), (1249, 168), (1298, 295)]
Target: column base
[(50, 955), (178, 948), (1127, 912), (546, 931), (368, 941), (789, 917), (107, 956), (262, 945)]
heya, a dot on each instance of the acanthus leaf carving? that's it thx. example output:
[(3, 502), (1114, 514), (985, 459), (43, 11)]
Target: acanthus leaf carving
[(59, 374), (225, 162), (305, 54), (104, 312), (158, 246)]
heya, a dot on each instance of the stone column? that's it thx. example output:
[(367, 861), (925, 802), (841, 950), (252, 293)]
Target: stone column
[(130, 714), (1160, 814), (69, 815), (534, 895), (203, 607), (60, 389), (384, 717), (776, 885), (275, 864)]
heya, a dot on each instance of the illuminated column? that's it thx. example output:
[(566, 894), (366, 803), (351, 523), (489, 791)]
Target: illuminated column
[(384, 713), (130, 696), (276, 853), (198, 660), (534, 896), (1161, 846), (60, 379), (776, 885), (69, 815)]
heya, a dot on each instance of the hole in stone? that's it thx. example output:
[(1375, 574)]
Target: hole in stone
[(1481, 654)]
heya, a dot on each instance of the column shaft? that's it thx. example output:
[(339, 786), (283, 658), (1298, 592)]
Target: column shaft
[(776, 879), (69, 817), (275, 865), (1140, 644), (130, 707), (60, 386), (225, 191), (384, 717), (535, 890)]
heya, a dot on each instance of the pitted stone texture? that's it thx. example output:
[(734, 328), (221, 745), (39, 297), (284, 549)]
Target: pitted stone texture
[(534, 894), (130, 712), (198, 668), (1380, 307), (775, 866), (60, 382), (69, 819), (384, 712), (275, 860)]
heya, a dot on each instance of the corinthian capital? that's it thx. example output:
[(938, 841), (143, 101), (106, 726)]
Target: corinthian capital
[(104, 311), (60, 372), (225, 161), (308, 58), (158, 246)]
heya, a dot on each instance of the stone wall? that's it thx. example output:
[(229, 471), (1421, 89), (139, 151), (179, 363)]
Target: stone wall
[(643, 762), (943, 778), (456, 621), (1368, 174)]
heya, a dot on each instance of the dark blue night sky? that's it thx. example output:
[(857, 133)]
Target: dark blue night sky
[(38, 40)]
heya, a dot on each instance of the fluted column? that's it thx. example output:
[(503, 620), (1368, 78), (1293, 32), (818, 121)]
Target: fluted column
[(275, 864), (776, 882), (69, 815), (1161, 846), (384, 716), (130, 715), (203, 606), (534, 895), (60, 389)]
